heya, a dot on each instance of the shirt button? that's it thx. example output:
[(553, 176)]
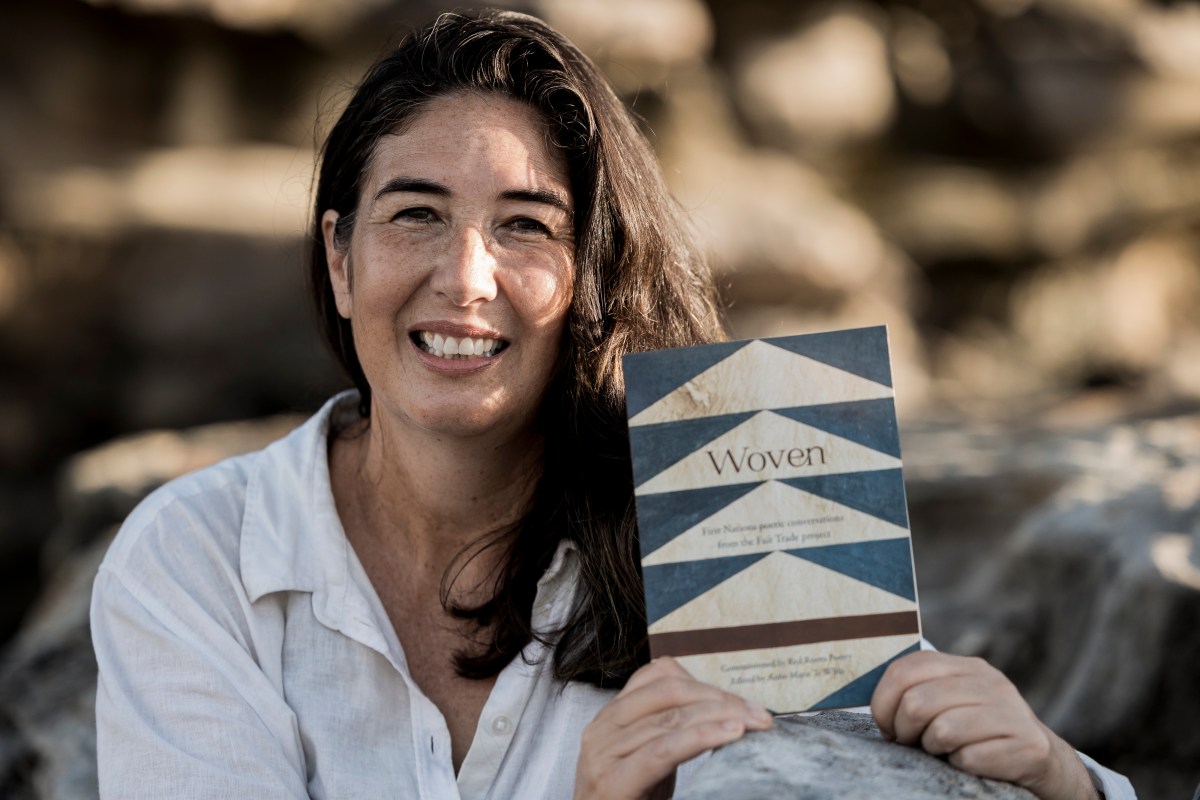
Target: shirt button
[(501, 724)]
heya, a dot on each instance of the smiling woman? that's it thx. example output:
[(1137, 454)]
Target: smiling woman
[(430, 589), (464, 241)]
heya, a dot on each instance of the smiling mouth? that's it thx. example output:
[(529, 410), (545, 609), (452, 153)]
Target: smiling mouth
[(457, 347)]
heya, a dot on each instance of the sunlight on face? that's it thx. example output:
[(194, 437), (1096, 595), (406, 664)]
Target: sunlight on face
[(458, 275)]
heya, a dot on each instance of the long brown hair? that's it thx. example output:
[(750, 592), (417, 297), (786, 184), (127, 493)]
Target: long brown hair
[(640, 284)]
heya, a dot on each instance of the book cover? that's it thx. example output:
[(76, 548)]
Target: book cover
[(774, 530)]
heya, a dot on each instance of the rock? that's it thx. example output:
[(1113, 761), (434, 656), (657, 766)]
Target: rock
[(26, 513), (1071, 205), (48, 691), (828, 83), (251, 190), (939, 213), (48, 672), (832, 756), (763, 217), (1071, 561), (1168, 39), (636, 41), (1161, 109), (1181, 372), (1111, 318), (922, 65), (773, 227)]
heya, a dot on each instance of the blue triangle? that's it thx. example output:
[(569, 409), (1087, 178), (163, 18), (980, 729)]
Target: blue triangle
[(656, 447), (669, 586), (878, 492), (859, 691), (861, 351), (871, 423), (885, 564), (653, 375), (662, 517)]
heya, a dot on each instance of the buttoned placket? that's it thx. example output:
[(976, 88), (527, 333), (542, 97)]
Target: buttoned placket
[(506, 704), (497, 725), (501, 715), (359, 615), (344, 601)]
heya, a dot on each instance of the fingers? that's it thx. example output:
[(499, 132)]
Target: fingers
[(662, 697), (657, 687), (965, 709), (661, 718), (905, 674), (977, 698), (658, 668), (731, 713), (1037, 760), (1007, 758), (603, 773), (960, 726)]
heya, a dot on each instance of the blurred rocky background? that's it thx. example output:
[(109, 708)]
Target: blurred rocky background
[(1013, 186)]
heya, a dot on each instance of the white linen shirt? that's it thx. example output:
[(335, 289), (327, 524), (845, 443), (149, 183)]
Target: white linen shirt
[(243, 653)]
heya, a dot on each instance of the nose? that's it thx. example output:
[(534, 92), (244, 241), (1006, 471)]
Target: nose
[(466, 272)]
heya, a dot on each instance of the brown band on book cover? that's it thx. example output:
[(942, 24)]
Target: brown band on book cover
[(782, 634)]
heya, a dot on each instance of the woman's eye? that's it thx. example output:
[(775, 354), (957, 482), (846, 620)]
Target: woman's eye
[(415, 214), (530, 225)]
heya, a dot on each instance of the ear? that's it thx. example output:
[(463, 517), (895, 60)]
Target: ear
[(338, 261)]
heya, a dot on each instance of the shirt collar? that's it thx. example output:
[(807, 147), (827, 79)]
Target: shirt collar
[(293, 540), (556, 590)]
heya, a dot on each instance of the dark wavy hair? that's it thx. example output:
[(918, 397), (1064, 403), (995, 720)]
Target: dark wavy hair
[(640, 284)]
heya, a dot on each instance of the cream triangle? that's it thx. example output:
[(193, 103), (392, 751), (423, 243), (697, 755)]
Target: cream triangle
[(759, 376), (774, 516), (780, 588)]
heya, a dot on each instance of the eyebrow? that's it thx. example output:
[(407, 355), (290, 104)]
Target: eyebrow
[(544, 196), (422, 186), (417, 185)]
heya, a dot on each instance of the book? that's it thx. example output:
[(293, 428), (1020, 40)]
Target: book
[(771, 513)]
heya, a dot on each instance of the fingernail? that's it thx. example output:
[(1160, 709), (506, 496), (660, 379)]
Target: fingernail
[(757, 711)]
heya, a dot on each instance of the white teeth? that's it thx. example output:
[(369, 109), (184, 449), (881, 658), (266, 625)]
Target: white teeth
[(462, 347)]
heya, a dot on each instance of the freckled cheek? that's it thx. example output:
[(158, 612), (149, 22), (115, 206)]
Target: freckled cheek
[(388, 285), (542, 296)]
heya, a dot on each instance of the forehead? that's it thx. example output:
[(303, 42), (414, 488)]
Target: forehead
[(471, 136)]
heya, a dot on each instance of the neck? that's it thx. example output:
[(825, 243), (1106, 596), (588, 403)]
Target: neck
[(432, 496)]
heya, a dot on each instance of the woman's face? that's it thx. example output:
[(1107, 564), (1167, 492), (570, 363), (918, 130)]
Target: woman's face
[(458, 274)]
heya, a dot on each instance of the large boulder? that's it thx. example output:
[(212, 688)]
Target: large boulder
[(1071, 561), (833, 756), (48, 672)]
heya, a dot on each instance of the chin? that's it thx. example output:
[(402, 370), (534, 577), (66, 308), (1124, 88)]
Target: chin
[(467, 423)]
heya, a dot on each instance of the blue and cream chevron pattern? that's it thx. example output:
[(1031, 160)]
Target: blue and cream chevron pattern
[(771, 510)]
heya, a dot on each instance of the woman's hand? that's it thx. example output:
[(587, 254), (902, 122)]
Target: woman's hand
[(662, 718), (967, 710)]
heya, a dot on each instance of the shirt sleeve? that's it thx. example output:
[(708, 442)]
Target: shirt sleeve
[(183, 710), (1111, 785)]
